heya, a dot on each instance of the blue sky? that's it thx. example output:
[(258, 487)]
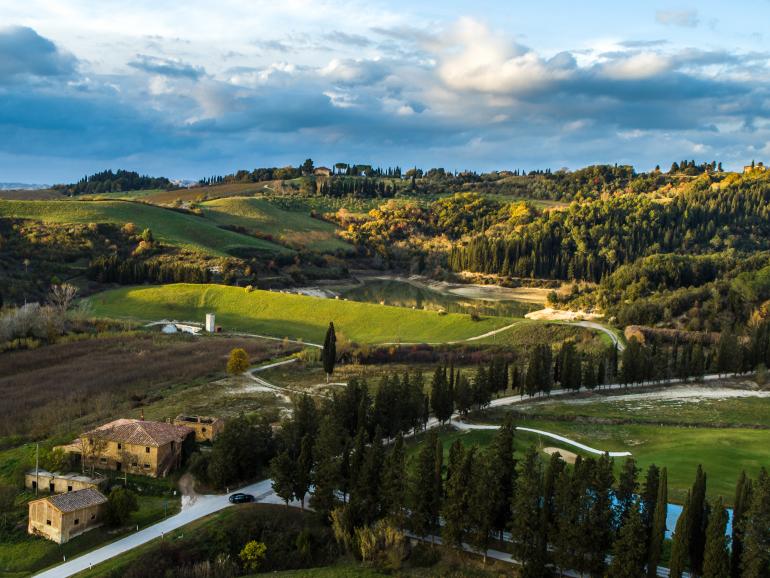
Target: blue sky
[(189, 89)]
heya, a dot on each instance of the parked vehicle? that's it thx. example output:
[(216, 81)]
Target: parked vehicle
[(240, 498)]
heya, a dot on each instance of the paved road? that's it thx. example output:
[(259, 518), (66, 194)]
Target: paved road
[(201, 506), (471, 426), (599, 327)]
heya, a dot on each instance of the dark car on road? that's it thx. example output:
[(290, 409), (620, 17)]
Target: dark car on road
[(240, 498)]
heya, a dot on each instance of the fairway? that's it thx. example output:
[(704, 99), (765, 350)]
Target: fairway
[(287, 315), (171, 227), (722, 452), (293, 228)]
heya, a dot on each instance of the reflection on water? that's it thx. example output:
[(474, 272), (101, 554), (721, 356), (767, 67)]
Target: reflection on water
[(402, 294)]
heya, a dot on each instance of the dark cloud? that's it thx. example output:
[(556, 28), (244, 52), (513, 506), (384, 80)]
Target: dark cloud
[(24, 52), (166, 67)]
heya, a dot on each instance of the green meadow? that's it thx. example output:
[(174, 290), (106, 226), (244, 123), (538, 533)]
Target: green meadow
[(171, 227), (293, 228), (288, 315)]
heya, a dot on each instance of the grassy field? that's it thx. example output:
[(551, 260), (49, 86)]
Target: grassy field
[(170, 227), (722, 452), (293, 228), (288, 315), (529, 332)]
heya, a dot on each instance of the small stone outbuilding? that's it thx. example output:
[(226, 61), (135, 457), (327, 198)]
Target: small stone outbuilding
[(62, 517)]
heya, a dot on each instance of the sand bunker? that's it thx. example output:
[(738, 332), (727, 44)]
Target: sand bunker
[(567, 456)]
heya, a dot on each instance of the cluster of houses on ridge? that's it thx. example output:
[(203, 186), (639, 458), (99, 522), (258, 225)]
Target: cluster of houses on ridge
[(134, 446)]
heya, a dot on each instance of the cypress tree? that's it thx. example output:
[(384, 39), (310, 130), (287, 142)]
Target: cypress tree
[(394, 482), (658, 530), (329, 351), (629, 555), (681, 542), (422, 488), (482, 501), (458, 488), (600, 517), (627, 487), (502, 465), (716, 557), (327, 475), (755, 559), (698, 521), (742, 502), (529, 544)]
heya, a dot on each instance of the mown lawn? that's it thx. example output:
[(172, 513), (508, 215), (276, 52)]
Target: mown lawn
[(287, 315), (294, 228), (168, 226), (722, 452)]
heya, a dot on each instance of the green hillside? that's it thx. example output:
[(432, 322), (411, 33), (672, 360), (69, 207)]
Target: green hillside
[(294, 228), (288, 315), (170, 227)]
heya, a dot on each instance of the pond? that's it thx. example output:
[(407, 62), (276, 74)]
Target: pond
[(415, 296)]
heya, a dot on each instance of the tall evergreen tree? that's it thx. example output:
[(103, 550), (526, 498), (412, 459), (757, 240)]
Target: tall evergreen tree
[(716, 557), (755, 559), (423, 499), (329, 352), (528, 533), (394, 482), (658, 529), (458, 490), (482, 502), (626, 491), (502, 466), (698, 520), (629, 552), (680, 542), (742, 502), (327, 476)]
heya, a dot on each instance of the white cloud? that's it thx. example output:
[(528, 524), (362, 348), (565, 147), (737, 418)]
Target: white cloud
[(636, 66), (685, 18), (474, 58)]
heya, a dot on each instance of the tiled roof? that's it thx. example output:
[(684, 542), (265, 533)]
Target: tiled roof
[(72, 501), (140, 432)]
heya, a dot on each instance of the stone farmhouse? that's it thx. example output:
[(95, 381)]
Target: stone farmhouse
[(61, 517), (135, 446)]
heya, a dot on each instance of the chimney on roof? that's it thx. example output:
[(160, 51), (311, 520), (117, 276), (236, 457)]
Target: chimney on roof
[(141, 417)]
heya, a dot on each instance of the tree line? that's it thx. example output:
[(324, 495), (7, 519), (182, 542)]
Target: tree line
[(556, 517), (127, 271), (109, 181)]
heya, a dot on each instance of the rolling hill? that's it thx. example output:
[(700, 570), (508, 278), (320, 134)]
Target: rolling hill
[(288, 315), (293, 228), (171, 227)]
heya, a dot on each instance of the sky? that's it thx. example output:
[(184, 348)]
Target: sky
[(196, 88)]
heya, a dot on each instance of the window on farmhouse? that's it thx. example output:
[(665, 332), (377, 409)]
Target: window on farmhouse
[(147, 450), (77, 521), (48, 522), (120, 446)]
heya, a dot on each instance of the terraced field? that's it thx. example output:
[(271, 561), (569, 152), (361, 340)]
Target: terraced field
[(287, 315), (170, 227)]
